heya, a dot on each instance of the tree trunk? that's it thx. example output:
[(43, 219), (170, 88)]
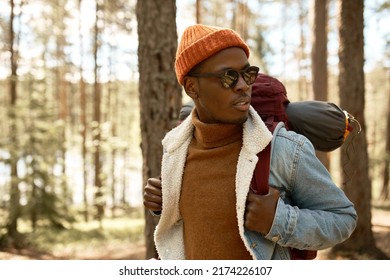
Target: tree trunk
[(99, 204), (14, 204), (113, 117), (83, 118), (354, 156), (284, 6), (240, 18), (319, 51), (159, 92), (386, 167), (319, 55), (302, 56), (62, 97), (198, 11)]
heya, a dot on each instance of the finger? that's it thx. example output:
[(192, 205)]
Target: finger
[(152, 197), (152, 206), (252, 197), (248, 219), (249, 208), (152, 190), (154, 182), (153, 186), (256, 197)]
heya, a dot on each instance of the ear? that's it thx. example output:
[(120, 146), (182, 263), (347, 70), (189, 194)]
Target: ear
[(191, 86)]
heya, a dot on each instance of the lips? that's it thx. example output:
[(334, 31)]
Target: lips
[(242, 104)]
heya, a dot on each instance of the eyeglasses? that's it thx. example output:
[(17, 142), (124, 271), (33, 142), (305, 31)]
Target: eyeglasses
[(230, 77)]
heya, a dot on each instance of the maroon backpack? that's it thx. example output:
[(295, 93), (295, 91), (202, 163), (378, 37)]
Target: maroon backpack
[(269, 99)]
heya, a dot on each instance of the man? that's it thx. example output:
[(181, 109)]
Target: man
[(207, 208)]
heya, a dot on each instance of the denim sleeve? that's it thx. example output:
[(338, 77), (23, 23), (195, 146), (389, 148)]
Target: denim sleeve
[(312, 212)]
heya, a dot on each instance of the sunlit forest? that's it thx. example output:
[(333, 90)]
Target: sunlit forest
[(81, 129)]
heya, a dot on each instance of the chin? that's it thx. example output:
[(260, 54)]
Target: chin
[(243, 120), (240, 120), (243, 117), (231, 119)]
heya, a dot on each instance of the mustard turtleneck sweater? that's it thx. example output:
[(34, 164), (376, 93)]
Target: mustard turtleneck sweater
[(208, 197)]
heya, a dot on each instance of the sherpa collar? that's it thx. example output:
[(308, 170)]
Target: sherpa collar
[(256, 135)]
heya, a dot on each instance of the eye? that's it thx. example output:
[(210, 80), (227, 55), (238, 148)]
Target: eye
[(249, 77), (250, 74), (229, 78)]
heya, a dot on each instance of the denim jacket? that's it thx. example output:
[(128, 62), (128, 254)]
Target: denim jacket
[(312, 212)]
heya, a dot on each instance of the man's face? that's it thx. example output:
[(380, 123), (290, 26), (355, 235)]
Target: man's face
[(215, 103)]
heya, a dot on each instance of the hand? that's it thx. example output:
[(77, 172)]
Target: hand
[(153, 195), (260, 211)]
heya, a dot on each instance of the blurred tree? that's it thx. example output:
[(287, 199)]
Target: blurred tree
[(386, 167), (357, 183), (117, 17), (99, 200), (58, 16), (43, 158), (14, 208), (112, 115), (241, 18), (385, 8), (319, 59), (46, 102), (83, 116), (319, 50), (159, 92), (302, 56), (198, 11)]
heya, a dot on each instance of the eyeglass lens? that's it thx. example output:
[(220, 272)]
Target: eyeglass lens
[(230, 77)]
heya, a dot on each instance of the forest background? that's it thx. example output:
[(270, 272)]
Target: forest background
[(74, 111)]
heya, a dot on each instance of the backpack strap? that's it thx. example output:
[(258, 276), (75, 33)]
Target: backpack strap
[(261, 175), (260, 186)]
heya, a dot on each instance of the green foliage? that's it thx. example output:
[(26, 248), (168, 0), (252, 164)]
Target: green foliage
[(43, 158)]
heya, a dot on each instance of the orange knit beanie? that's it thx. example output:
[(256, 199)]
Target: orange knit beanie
[(199, 42)]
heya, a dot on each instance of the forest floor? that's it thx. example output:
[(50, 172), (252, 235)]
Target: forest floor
[(135, 250)]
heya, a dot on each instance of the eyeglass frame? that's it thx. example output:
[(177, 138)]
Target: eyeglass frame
[(224, 74)]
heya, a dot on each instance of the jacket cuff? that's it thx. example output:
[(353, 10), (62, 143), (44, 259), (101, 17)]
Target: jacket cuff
[(284, 223)]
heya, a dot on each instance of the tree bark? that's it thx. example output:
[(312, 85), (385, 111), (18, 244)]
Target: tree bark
[(301, 52), (159, 92), (319, 55), (83, 118), (354, 156), (386, 167), (99, 204), (319, 51), (198, 11), (14, 204)]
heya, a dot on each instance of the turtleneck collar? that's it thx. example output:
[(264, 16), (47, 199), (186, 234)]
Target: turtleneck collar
[(213, 135)]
